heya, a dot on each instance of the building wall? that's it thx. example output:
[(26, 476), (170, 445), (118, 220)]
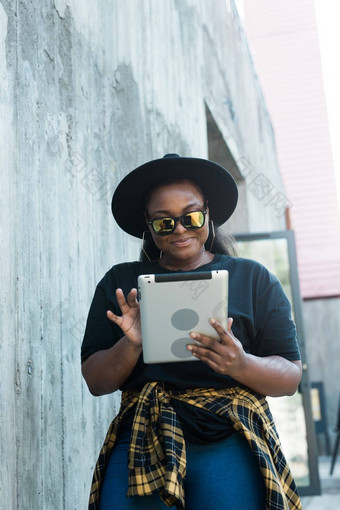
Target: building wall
[(285, 48), (284, 43), (322, 326), (89, 91)]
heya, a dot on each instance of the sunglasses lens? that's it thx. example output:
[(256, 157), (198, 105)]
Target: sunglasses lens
[(163, 226), (193, 220)]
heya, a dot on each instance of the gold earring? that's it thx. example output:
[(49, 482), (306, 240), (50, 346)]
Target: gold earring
[(143, 240), (211, 223)]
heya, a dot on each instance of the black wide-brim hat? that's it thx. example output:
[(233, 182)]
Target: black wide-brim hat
[(217, 184)]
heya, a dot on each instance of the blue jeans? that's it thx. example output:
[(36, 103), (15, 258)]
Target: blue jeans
[(224, 475)]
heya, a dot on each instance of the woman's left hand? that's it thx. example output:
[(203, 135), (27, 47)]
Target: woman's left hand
[(226, 355), (272, 375)]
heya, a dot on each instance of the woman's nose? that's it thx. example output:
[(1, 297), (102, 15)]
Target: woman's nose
[(179, 229)]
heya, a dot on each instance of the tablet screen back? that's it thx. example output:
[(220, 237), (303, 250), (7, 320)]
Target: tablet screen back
[(173, 305)]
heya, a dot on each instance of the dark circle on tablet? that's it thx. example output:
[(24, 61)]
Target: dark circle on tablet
[(179, 348), (184, 319)]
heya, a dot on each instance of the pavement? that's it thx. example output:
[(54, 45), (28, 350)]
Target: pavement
[(330, 488)]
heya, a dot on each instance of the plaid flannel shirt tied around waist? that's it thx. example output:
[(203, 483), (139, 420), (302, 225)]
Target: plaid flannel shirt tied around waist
[(157, 455)]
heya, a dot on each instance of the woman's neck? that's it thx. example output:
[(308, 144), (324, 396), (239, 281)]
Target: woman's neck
[(203, 258)]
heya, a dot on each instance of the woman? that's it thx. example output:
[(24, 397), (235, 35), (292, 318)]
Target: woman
[(195, 434)]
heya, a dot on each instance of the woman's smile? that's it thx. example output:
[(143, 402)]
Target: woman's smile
[(183, 248), (182, 242)]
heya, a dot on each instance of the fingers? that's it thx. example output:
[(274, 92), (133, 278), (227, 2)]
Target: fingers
[(114, 318), (121, 298), (209, 356), (225, 335), (125, 305), (132, 297), (203, 343), (210, 348), (224, 356), (131, 301), (222, 332)]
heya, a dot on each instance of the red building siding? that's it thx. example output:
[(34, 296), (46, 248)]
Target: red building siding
[(284, 42)]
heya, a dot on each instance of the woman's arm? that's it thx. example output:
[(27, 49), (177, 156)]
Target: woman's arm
[(273, 376), (106, 370)]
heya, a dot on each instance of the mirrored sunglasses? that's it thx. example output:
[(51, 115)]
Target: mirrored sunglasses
[(191, 221)]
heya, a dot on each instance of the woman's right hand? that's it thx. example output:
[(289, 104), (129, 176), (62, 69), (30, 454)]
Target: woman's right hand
[(105, 371), (129, 321)]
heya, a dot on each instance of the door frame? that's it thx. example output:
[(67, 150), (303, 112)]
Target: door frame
[(314, 487)]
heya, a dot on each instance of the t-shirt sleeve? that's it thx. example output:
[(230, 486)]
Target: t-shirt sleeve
[(274, 325), (100, 332)]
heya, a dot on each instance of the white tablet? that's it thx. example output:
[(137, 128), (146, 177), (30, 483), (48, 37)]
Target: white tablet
[(173, 305)]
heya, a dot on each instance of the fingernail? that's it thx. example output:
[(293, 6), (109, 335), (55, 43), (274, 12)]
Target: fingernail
[(189, 347), (212, 321), (193, 335)]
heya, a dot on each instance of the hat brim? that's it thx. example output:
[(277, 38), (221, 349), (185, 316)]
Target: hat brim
[(217, 184)]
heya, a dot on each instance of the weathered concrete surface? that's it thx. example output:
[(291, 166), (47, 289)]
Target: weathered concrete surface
[(88, 91)]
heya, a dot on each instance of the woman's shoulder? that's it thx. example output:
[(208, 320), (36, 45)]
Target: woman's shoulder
[(124, 271), (245, 271), (241, 263)]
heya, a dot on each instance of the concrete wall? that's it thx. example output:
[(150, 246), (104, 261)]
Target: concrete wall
[(88, 91)]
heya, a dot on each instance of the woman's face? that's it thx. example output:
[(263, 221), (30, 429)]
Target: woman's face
[(172, 200)]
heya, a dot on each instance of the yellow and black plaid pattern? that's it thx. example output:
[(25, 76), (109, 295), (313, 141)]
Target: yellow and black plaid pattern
[(157, 457)]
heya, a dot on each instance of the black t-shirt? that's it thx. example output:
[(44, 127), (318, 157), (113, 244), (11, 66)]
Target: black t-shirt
[(262, 322)]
